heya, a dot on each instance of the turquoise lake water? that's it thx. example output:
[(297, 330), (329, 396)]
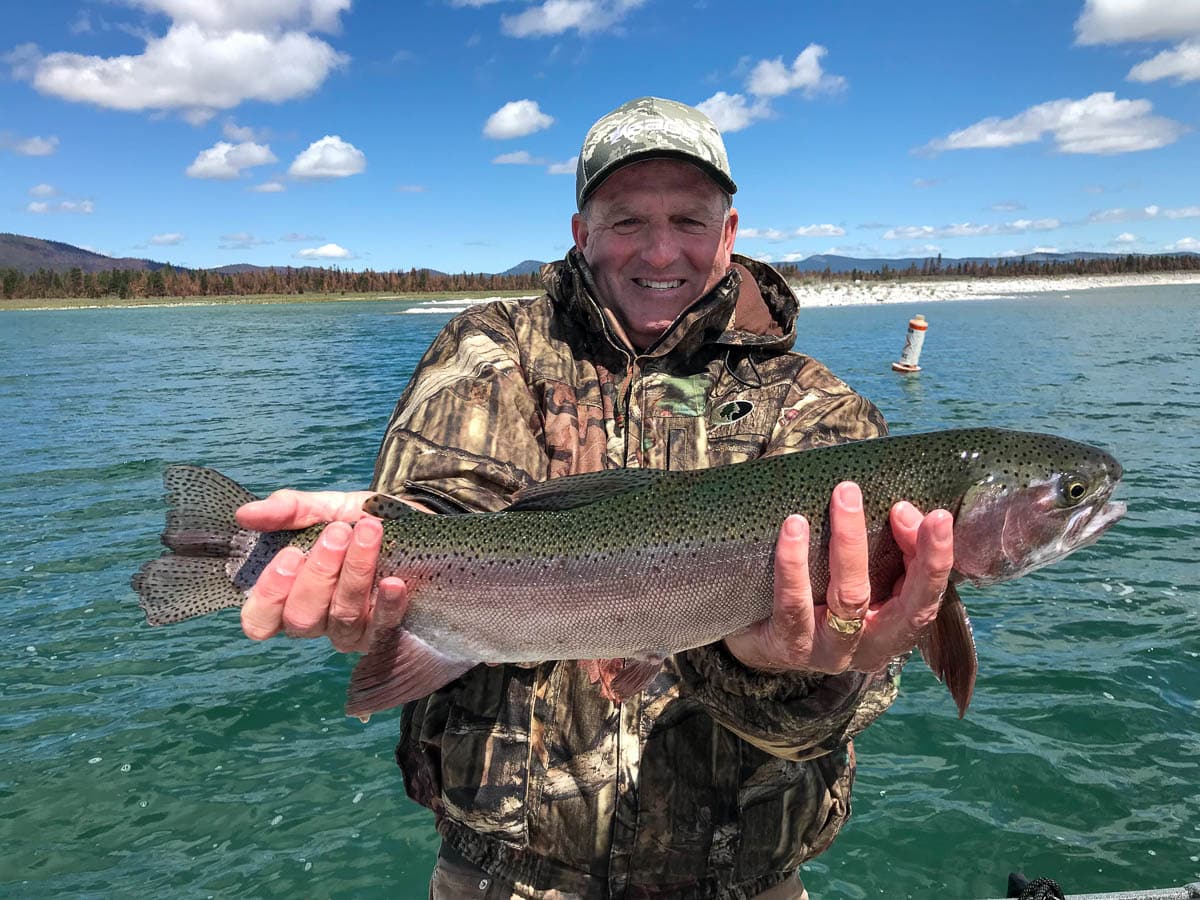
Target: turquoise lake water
[(190, 762)]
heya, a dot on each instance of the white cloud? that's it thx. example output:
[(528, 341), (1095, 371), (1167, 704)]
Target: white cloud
[(1120, 21), (766, 234), (269, 187), (325, 251), (820, 231), (31, 146), (242, 134), (1182, 63), (1117, 21), (43, 190), (23, 61), (566, 167), (768, 79), (263, 15), (1028, 251), (224, 160), (214, 55), (240, 240), (557, 16), (1007, 206), (771, 78), (516, 118), (733, 112), (330, 157), (1132, 214), (518, 158), (83, 207), (170, 239), (411, 188), (1099, 124), (775, 234), (969, 229), (1187, 245), (300, 236), (1125, 237)]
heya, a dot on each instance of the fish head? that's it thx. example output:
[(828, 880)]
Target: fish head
[(1037, 499)]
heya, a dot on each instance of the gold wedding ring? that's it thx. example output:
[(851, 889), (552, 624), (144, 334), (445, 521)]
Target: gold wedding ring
[(843, 626)]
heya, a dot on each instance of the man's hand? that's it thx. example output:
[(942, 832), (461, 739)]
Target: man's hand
[(797, 635), (329, 592)]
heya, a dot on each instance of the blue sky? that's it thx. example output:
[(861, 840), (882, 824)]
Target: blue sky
[(442, 133)]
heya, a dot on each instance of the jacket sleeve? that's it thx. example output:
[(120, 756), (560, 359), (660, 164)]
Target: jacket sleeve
[(797, 715), (466, 431)]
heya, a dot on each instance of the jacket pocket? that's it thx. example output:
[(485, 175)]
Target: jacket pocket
[(485, 753)]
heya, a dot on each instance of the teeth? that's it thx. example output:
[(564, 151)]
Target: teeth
[(659, 285)]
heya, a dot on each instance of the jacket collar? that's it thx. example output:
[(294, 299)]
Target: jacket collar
[(752, 307)]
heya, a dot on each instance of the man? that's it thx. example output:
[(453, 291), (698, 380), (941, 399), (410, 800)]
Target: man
[(654, 346)]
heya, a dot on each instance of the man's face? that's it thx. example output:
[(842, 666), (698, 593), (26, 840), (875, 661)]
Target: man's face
[(657, 237)]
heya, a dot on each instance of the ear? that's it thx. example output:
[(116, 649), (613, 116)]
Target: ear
[(579, 230), (731, 227)]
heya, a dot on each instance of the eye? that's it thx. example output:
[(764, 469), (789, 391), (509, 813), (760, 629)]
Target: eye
[(626, 226), (1074, 489)]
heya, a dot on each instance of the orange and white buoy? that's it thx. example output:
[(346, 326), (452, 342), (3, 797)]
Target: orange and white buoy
[(913, 341)]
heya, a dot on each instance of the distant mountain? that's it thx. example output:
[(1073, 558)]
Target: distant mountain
[(821, 261), (525, 267), (28, 254)]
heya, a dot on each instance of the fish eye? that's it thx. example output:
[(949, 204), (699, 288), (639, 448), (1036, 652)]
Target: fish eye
[(1074, 489)]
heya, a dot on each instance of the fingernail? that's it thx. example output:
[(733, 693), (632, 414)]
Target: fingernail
[(285, 565), (850, 496), (795, 527), (943, 527), (908, 514), (336, 538), (366, 532)]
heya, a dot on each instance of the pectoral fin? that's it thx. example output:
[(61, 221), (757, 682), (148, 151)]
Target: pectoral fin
[(948, 647), (620, 679), (400, 667)]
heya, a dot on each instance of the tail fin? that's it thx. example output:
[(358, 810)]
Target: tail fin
[(206, 570)]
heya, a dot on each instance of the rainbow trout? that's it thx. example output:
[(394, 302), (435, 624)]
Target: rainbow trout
[(639, 563)]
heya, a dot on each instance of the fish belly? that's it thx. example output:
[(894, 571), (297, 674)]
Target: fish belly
[(587, 606)]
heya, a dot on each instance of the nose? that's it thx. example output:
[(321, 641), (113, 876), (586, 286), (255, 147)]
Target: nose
[(662, 246)]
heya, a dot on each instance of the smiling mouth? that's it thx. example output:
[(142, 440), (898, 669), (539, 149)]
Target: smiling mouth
[(659, 285)]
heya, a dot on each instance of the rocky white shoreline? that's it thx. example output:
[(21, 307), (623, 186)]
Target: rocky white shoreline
[(840, 293)]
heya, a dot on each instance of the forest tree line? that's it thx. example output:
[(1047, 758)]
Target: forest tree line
[(1006, 267), (170, 281)]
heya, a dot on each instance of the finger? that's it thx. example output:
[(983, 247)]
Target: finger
[(792, 614), (349, 613), (307, 608), (849, 592), (784, 639), (897, 624), (288, 509), (262, 613), (905, 521)]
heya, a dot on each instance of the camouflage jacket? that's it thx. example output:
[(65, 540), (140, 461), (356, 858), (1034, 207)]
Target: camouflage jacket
[(715, 781)]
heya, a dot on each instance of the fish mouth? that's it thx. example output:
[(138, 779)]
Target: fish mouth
[(1085, 529)]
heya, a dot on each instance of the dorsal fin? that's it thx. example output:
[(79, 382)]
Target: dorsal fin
[(385, 506), (572, 491)]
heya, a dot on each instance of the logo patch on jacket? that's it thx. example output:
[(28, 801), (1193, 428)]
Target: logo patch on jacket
[(728, 413)]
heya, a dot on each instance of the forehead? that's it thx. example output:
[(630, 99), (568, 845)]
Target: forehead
[(656, 179)]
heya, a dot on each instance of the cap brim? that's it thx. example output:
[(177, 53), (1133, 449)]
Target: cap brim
[(723, 181)]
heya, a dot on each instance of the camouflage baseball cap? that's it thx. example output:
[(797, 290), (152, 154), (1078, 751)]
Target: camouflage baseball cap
[(650, 128)]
